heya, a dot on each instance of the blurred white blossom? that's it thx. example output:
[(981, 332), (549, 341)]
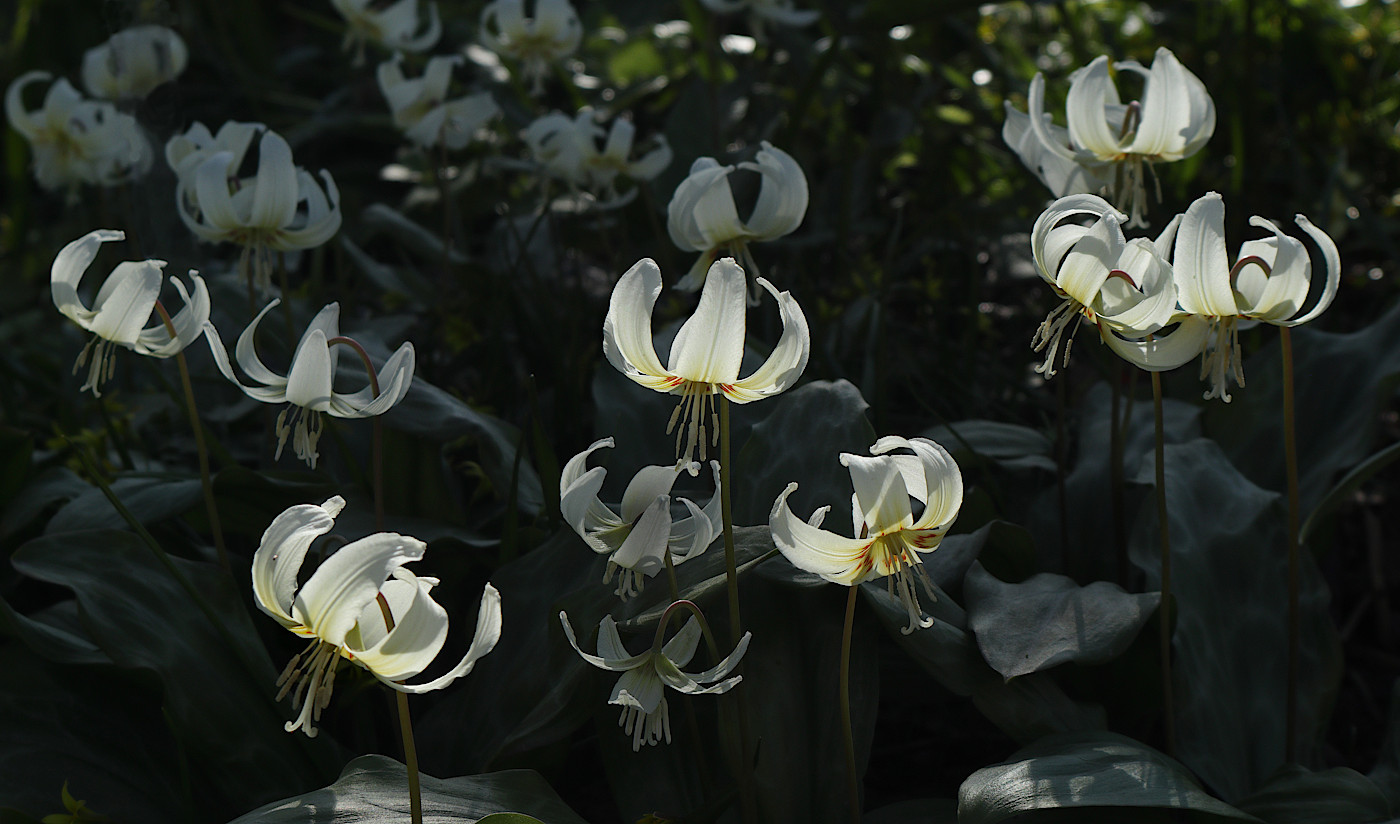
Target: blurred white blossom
[(396, 28), (133, 62), (568, 149), (421, 109), (76, 140), (535, 42)]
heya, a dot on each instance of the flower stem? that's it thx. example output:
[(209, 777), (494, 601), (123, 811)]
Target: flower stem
[(1290, 452), (699, 616), (1164, 624), (1115, 472), (748, 808), (845, 699), (377, 447), (410, 752)]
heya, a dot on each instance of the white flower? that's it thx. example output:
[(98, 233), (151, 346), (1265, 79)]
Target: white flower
[(185, 152), (133, 62), (640, 691), (551, 35), (123, 306), (639, 540), (396, 28), (308, 387), (764, 11), (568, 149), (421, 109), (76, 140), (702, 217), (888, 538), (708, 349), (1061, 175), (341, 609)]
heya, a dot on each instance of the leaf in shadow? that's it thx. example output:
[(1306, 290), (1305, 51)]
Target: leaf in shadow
[(1296, 795)]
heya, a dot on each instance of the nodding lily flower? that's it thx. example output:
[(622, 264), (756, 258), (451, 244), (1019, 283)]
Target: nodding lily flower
[(638, 541), (1060, 174), (702, 217), (396, 28), (1268, 282), (133, 62), (764, 11), (1124, 287), (76, 140), (361, 605), (551, 35), (308, 388), (641, 689), (888, 537), (708, 349), (421, 109), (185, 152), (123, 306), (568, 149), (1113, 140)]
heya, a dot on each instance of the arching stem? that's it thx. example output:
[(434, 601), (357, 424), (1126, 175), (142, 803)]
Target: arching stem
[(1290, 452), (377, 444)]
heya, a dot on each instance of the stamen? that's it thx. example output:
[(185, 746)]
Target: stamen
[(1051, 332), (1222, 359), (696, 398)]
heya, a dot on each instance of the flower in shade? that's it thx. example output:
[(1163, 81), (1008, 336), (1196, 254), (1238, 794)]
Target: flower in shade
[(123, 306), (421, 109), (638, 542), (535, 42), (764, 11), (133, 62), (888, 535), (398, 27), (708, 349), (76, 140), (1268, 282), (360, 604), (702, 216), (641, 689), (568, 149), (308, 388)]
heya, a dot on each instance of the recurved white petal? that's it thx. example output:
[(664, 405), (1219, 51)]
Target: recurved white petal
[(638, 687), (710, 344), (649, 483), (880, 492), (786, 362), (833, 557), (280, 554), (309, 381), (488, 633), (627, 340), (1163, 352), (782, 196), (275, 188), (644, 549), (1331, 260), (612, 655), (1091, 92), (330, 602), (1200, 263), (420, 629), (126, 300), (68, 267)]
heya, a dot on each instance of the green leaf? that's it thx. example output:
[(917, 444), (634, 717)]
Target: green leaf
[(1347, 486), (150, 498), (922, 811), (1299, 796), (1012, 446), (1086, 770)]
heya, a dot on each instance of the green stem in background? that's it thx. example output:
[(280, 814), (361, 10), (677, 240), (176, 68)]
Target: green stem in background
[(845, 698), (689, 606), (377, 444), (201, 450), (1290, 452), (410, 752), (748, 808), (1115, 471), (1061, 460), (691, 721), (1164, 623)]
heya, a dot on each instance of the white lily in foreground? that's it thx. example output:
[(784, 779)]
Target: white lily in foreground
[(396, 28), (308, 387), (76, 140), (638, 541), (708, 349), (641, 689), (123, 305), (568, 149), (888, 536), (133, 62), (421, 109), (536, 42), (702, 217), (1268, 282), (342, 607)]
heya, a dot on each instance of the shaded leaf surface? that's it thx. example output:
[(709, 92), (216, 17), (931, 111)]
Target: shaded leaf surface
[(1336, 796)]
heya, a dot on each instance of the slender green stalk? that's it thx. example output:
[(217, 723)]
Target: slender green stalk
[(1164, 623), (377, 444), (410, 752), (1290, 452), (1115, 472), (1061, 459), (690, 607), (748, 807), (845, 698)]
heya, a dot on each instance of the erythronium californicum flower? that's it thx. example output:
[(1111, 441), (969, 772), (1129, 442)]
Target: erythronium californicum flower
[(1060, 174), (706, 354), (764, 11), (1268, 282), (641, 689), (1173, 120), (341, 609), (185, 152), (639, 540), (421, 109), (124, 304), (535, 42), (702, 217), (1124, 287), (308, 388), (76, 140), (568, 149), (133, 62), (888, 537), (396, 28)]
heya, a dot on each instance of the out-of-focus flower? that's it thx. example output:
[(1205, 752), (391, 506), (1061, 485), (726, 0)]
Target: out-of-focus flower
[(708, 349), (1268, 282), (133, 62), (568, 149), (888, 538), (308, 387), (641, 689), (702, 217), (76, 140), (1113, 140), (640, 539), (764, 11), (421, 108), (123, 306), (185, 152), (341, 609), (1124, 287), (535, 42), (396, 28)]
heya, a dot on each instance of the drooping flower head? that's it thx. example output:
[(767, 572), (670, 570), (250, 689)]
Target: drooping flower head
[(133, 62), (637, 542), (124, 305), (421, 109), (568, 149), (553, 33), (399, 27), (342, 610), (76, 140), (641, 689), (708, 349), (888, 536), (308, 388)]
